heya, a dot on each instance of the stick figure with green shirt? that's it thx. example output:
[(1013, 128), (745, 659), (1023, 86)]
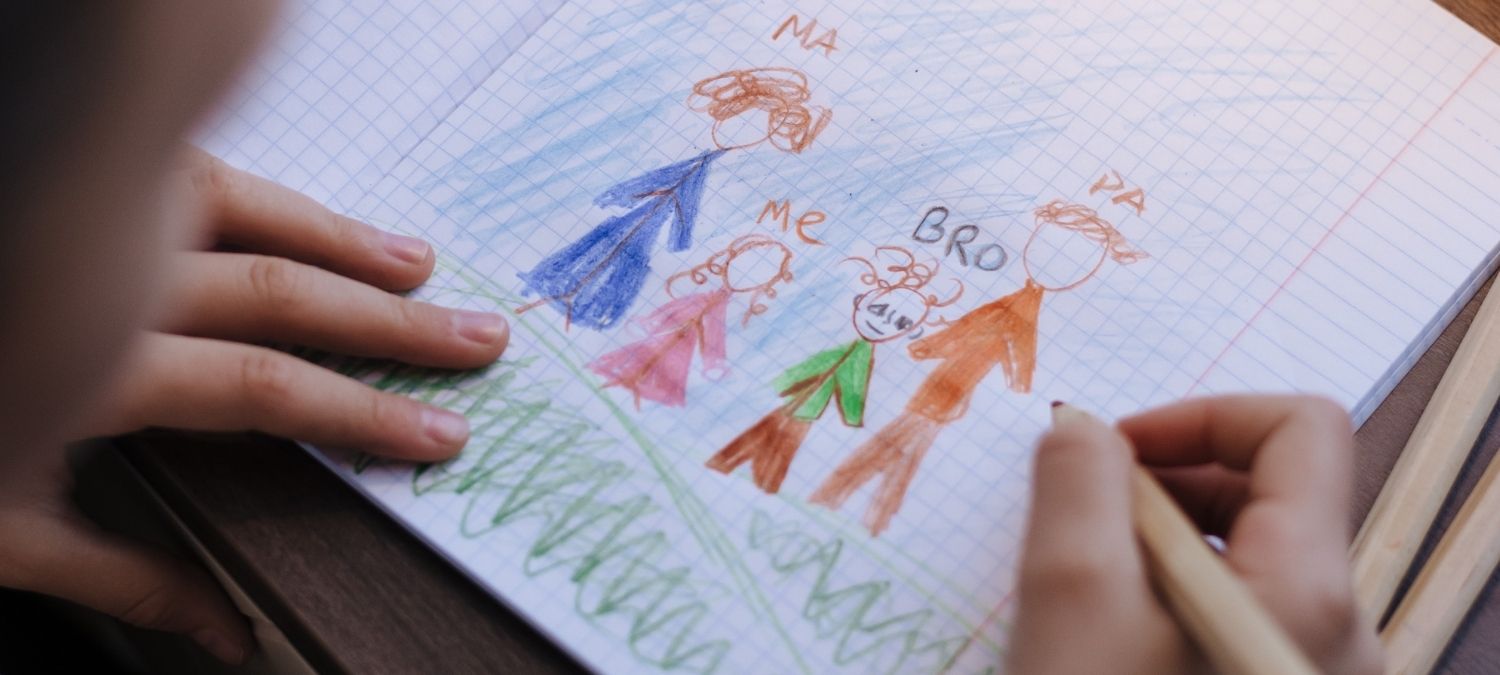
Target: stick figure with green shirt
[(896, 306)]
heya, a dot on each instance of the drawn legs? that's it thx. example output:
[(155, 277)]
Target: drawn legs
[(769, 447), (893, 454)]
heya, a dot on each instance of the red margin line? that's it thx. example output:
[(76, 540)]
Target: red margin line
[(994, 613), (1329, 233)]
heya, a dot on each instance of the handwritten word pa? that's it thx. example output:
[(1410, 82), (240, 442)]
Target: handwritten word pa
[(1111, 183)]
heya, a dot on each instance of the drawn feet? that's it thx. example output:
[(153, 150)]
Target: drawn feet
[(769, 447), (893, 454)]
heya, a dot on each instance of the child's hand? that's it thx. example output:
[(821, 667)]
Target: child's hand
[(301, 275), (1271, 475)]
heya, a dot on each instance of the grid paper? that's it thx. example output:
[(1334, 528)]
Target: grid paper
[(1317, 182), (346, 89)]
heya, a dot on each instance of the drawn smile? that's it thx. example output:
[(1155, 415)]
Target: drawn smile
[(872, 327)]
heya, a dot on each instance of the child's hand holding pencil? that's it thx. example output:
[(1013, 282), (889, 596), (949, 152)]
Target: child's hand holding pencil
[(1270, 475)]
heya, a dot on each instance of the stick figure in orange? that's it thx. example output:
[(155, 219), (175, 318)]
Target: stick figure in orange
[(1002, 332), (897, 305), (656, 367)]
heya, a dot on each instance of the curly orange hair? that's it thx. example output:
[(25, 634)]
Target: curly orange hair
[(1087, 222), (782, 93), (717, 266), (906, 272)]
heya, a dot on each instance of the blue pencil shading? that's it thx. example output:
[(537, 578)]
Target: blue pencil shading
[(597, 278)]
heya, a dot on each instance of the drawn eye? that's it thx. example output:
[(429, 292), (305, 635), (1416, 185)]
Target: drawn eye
[(879, 308), (903, 323)]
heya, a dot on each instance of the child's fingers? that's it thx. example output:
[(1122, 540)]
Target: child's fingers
[(1297, 448), (256, 298), (56, 554), (1080, 546), (261, 216), (1211, 494), (208, 385), (1290, 534), (1081, 570)]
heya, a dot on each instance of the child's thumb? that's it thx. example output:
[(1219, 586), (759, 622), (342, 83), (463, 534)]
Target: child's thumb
[(134, 582)]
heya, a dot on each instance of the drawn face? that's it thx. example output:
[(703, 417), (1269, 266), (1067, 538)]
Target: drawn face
[(890, 313), (1059, 259), (757, 267), (745, 130)]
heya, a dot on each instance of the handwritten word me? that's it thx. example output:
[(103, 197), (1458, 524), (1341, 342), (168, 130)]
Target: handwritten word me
[(828, 40), (783, 210), (931, 229)]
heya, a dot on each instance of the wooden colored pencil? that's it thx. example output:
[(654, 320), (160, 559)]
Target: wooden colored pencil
[(1211, 604), (1448, 584), (1430, 463)]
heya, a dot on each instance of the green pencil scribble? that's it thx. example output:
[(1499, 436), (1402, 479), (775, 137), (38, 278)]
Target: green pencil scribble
[(851, 615), (532, 461), (864, 544), (694, 512)]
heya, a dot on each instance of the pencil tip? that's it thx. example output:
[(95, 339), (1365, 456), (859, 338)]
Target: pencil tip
[(1058, 404)]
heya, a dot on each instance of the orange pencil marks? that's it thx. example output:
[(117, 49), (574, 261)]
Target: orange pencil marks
[(1112, 183), (1135, 199), (1109, 182), (768, 446), (748, 278), (828, 40), (656, 367), (781, 93), (783, 211), (1000, 333), (1084, 221), (898, 305), (807, 220), (883, 456)]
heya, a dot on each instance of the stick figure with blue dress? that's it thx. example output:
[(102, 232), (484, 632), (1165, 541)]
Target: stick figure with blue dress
[(595, 280)]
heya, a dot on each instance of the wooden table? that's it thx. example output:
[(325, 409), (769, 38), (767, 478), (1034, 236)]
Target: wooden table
[(355, 592)]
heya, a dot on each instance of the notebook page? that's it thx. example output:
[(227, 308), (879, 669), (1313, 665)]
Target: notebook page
[(773, 382), (344, 89)]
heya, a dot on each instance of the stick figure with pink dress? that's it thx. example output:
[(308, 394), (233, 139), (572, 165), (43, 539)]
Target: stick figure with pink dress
[(656, 367)]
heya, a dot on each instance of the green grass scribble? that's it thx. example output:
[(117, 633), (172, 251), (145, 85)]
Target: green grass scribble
[(533, 461)]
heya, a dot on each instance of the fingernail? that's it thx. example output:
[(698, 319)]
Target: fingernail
[(1065, 415), (486, 329), (406, 249), (223, 647), (445, 427)]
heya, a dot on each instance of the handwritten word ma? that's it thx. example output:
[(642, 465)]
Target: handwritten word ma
[(828, 40)]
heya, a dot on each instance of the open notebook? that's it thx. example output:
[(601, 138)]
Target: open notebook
[(791, 286)]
